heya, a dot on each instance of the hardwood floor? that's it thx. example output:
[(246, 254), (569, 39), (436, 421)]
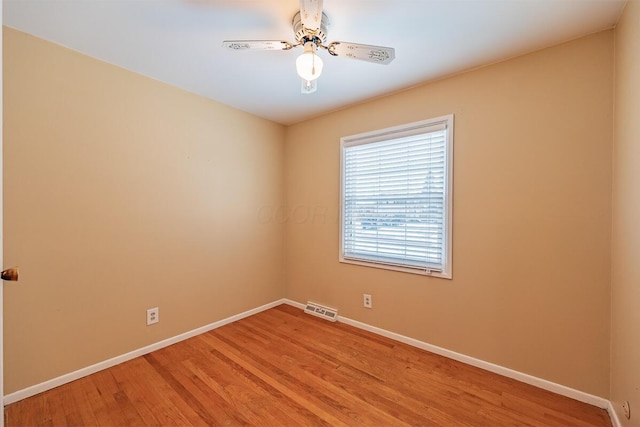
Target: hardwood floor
[(282, 367)]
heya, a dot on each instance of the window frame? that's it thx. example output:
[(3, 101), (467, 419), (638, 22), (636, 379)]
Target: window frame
[(409, 129)]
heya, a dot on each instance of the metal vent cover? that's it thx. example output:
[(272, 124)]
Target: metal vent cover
[(321, 311)]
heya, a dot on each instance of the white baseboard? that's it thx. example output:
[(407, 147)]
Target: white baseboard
[(615, 421), (509, 373), (72, 376)]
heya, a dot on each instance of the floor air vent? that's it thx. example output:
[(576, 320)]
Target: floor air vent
[(321, 311)]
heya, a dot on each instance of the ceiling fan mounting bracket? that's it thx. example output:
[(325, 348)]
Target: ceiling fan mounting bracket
[(332, 48)]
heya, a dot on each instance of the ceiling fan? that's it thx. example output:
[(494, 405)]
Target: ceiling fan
[(310, 28)]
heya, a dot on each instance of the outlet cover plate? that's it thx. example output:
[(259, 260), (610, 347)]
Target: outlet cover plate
[(367, 301), (153, 316)]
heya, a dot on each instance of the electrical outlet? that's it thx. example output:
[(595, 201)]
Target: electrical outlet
[(153, 316), (366, 301), (627, 409)]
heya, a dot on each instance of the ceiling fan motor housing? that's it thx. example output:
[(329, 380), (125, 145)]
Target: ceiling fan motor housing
[(303, 34)]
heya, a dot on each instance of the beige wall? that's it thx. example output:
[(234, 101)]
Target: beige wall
[(122, 193), (531, 218), (625, 286)]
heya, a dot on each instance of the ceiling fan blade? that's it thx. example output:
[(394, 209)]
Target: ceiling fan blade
[(363, 52), (257, 44), (311, 14), (309, 86)]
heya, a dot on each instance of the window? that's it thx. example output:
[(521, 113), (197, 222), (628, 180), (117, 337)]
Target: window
[(396, 197)]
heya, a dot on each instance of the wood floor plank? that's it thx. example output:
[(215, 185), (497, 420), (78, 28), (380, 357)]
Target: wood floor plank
[(280, 380), (351, 373), (347, 382), (149, 393), (237, 390), (54, 412), (188, 388), (432, 394), (283, 367), (97, 404), (305, 383), (117, 406), (83, 404)]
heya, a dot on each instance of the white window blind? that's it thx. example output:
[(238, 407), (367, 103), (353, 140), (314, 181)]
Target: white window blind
[(396, 197)]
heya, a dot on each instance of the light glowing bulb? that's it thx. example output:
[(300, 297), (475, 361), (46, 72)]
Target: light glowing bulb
[(309, 65)]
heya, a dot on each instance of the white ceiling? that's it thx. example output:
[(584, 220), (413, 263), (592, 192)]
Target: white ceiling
[(180, 42)]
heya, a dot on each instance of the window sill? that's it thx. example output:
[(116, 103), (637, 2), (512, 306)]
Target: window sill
[(410, 270)]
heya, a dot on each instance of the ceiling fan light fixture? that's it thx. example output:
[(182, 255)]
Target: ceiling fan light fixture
[(309, 64), (310, 26)]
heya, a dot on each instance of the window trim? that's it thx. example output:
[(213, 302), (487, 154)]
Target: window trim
[(408, 129)]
